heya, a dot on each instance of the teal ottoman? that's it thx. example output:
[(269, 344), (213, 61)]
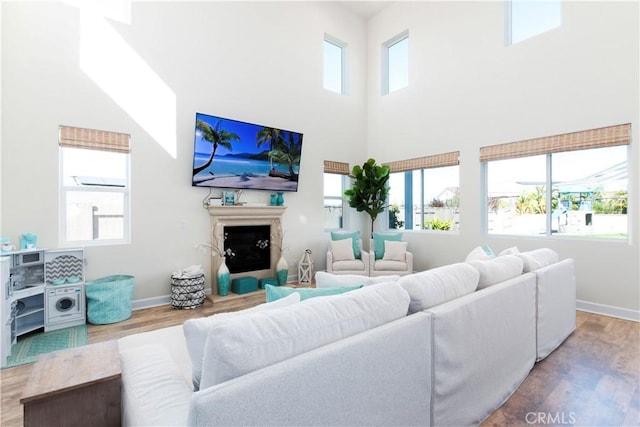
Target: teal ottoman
[(243, 285), (267, 281)]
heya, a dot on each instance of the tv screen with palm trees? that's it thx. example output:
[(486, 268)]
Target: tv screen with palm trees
[(233, 154)]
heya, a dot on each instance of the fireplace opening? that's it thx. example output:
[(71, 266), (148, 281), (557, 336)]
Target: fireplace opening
[(249, 246)]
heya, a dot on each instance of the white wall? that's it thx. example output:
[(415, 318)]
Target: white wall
[(257, 62), (466, 90)]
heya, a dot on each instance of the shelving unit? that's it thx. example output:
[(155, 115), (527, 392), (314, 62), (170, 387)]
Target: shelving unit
[(31, 317)]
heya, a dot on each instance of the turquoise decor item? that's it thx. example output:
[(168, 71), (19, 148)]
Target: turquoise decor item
[(29, 347), (378, 242), (275, 293), (274, 200), (244, 285), (280, 199), (109, 299), (282, 271), (224, 278)]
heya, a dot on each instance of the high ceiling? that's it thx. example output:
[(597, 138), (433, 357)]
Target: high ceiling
[(365, 9)]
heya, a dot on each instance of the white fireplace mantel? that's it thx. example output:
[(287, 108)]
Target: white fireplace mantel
[(230, 216)]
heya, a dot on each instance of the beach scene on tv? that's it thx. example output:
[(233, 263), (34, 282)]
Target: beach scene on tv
[(233, 154)]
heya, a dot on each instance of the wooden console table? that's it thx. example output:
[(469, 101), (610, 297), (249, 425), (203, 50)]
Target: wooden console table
[(78, 386)]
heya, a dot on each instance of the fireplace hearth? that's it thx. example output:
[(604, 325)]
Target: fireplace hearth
[(246, 220)]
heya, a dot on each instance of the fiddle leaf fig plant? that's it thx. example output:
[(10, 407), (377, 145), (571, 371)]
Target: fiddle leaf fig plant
[(369, 189)]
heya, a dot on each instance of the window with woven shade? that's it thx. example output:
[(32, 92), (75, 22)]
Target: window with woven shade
[(336, 178), (94, 186), (424, 193), (572, 184)]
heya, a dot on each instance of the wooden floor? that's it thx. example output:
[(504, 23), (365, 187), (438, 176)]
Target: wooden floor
[(593, 379)]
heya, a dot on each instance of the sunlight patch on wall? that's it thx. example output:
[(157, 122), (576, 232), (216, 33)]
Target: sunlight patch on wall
[(123, 75)]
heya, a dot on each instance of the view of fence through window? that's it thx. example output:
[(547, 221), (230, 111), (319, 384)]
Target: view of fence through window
[(588, 194), (333, 201), (425, 199)]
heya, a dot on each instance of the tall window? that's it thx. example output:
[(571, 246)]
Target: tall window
[(572, 185), (528, 18), (94, 186), (424, 193), (335, 176), (335, 61), (395, 63)]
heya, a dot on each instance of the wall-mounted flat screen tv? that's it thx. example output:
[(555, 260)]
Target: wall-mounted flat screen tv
[(233, 154)]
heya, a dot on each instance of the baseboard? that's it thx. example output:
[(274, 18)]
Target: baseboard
[(609, 310), (156, 301)]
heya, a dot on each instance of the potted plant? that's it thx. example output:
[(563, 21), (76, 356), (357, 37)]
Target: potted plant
[(370, 189)]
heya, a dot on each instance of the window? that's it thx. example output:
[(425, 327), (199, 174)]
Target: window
[(528, 18), (335, 60), (581, 176), (424, 193), (94, 183), (335, 176), (395, 63)]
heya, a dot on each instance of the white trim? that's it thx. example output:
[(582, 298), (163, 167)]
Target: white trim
[(156, 301), (608, 310)]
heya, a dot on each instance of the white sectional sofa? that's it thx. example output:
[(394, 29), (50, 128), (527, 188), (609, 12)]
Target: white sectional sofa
[(425, 349)]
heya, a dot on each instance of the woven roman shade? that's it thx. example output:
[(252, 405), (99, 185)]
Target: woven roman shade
[(583, 140), (340, 168), (94, 139), (435, 161)]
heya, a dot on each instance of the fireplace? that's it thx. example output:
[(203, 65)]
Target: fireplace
[(248, 247), (253, 224)]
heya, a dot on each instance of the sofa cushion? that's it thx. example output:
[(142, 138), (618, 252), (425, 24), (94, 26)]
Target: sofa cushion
[(497, 270), (276, 292), (538, 258), (433, 287), (513, 250), (327, 280), (155, 393), (196, 330), (394, 251), (380, 238), (354, 238), (341, 250), (480, 253), (244, 344)]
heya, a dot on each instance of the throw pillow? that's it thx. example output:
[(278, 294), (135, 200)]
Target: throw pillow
[(480, 253), (379, 239), (497, 270), (394, 251), (434, 287), (538, 258), (196, 330), (509, 251), (245, 344), (328, 280), (276, 292), (341, 250), (355, 240)]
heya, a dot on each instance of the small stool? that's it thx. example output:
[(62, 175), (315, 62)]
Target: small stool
[(267, 281), (187, 292), (243, 285)]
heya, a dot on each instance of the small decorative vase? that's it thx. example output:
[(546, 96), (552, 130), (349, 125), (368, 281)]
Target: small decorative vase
[(280, 199), (224, 278), (282, 271), (274, 200)]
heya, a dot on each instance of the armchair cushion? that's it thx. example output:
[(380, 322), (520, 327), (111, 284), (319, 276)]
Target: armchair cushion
[(379, 239), (394, 251), (355, 240), (342, 250)]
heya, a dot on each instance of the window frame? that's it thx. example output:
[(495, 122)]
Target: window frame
[(385, 74), (606, 137), (344, 87), (340, 169), (508, 23), (64, 191)]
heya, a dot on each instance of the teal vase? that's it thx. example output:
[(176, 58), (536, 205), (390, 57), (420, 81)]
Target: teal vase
[(274, 200), (224, 278), (282, 271), (280, 199)]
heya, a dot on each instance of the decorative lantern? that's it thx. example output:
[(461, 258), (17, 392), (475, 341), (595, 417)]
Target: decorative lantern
[(305, 267)]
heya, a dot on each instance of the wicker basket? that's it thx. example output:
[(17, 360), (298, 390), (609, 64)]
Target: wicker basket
[(187, 292), (109, 299)]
